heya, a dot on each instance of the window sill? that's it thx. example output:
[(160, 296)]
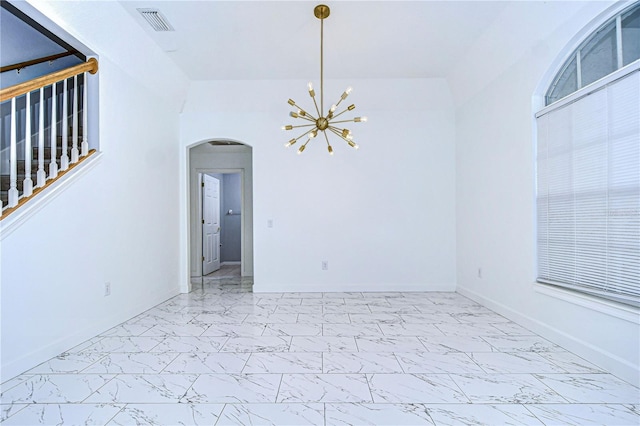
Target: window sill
[(617, 310)]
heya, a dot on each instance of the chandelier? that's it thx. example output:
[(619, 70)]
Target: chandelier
[(319, 123)]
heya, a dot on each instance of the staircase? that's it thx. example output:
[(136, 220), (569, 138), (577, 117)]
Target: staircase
[(5, 178)]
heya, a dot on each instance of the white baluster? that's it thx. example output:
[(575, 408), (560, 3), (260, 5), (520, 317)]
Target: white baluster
[(74, 121), (42, 175), (13, 177), (53, 166), (85, 128), (27, 188), (64, 158)]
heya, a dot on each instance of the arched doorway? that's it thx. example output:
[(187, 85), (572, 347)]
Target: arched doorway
[(231, 162)]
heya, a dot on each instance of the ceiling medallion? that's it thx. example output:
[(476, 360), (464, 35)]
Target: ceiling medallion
[(328, 122)]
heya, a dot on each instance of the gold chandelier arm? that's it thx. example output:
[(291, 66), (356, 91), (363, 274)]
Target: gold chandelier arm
[(338, 133), (302, 125), (349, 108), (308, 118), (353, 120)]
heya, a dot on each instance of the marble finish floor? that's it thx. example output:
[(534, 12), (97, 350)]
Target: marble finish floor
[(222, 355)]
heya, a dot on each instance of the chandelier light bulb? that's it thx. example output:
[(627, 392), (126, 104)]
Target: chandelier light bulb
[(293, 114), (301, 149), (330, 149), (333, 108), (291, 142), (310, 86), (287, 127)]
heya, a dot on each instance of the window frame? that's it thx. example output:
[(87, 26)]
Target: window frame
[(575, 55)]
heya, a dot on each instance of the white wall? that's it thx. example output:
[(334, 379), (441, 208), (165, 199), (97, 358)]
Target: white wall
[(495, 163), (382, 216), (118, 222)]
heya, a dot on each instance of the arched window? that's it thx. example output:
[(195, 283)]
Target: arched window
[(588, 166), (614, 45)]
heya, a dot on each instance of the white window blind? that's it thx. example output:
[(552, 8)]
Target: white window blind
[(588, 195)]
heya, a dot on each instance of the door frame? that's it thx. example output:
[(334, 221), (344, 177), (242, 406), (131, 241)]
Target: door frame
[(243, 227)]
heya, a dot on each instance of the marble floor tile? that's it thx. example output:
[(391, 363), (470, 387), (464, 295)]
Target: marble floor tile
[(506, 389), (271, 318), (377, 414), (466, 329), (351, 330), (513, 329), (272, 414), (435, 363), (67, 363), (511, 343), (221, 318), (324, 318), (224, 355), (429, 318), (296, 329), (143, 388), (414, 388), (591, 388), (233, 388), (360, 362), (207, 363), (515, 362), (168, 414), (8, 410), (346, 309), (124, 344), (190, 344), (64, 414), (324, 388), (481, 414), (131, 363), (323, 344), (236, 330), (390, 344), (257, 344), (584, 414), (569, 362), (405, 329), (55, 388), (285, 362), (456, 344), (298, 309), (375, 318), (189, 329)]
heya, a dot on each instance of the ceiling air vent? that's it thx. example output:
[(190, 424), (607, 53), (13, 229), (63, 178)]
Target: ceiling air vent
[(156, 19)]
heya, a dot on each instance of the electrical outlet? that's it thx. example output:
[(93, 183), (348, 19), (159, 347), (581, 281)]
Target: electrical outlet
[(107, 289), (480, 273), (325, 265)]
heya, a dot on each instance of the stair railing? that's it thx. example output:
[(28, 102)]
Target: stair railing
[(69, 155)]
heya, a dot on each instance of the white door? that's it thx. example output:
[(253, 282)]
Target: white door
[(210, 224)]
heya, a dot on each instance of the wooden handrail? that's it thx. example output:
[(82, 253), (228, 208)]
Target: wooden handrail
[(29, 86), (25, 64)]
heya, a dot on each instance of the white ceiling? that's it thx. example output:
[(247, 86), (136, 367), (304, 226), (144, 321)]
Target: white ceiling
[(281, 39)]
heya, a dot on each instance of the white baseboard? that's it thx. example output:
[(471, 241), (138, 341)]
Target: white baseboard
[(259, 287), (231, 263), (606, 360), (50, 350)]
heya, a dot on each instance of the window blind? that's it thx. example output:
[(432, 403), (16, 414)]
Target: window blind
[(588, 193)]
